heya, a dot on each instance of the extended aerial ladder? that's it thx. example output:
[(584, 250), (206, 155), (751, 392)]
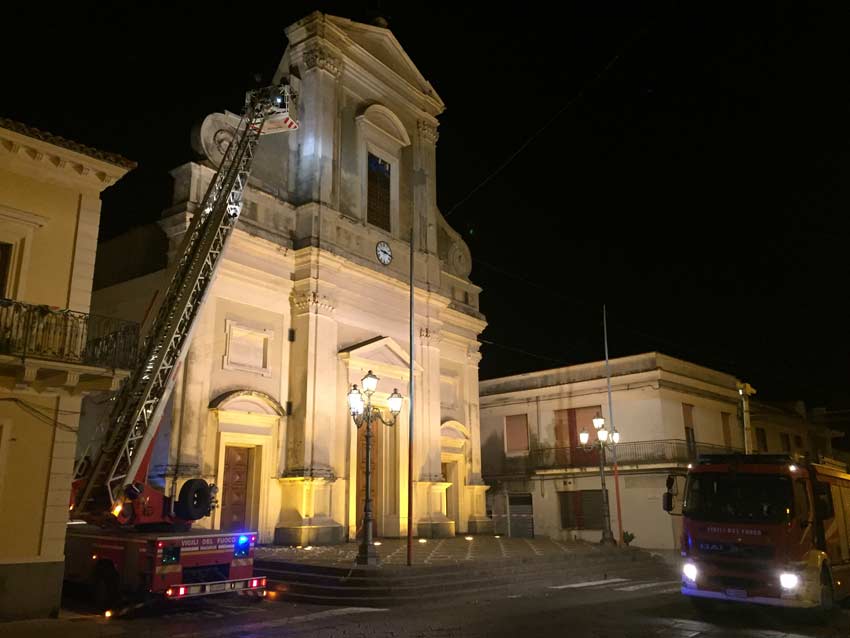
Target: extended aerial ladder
[(113, 487)]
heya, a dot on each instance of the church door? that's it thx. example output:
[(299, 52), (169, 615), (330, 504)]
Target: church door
[(235, 493)]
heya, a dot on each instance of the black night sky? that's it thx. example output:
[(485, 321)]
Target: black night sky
[(694, 174)]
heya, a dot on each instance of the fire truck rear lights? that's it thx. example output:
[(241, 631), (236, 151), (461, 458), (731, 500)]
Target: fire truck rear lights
[(169, 592), (253, 538), (108, 613), (160, 544), (254, 583), (243, 540), (181, 591), (94, 556), (690, 571), (116, 511), (792, 467)]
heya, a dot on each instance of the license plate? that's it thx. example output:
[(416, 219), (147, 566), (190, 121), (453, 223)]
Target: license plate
[(736, 593), (218, 586)]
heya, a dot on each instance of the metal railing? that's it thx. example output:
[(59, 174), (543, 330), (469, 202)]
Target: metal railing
[(56, 334), (632, 453)]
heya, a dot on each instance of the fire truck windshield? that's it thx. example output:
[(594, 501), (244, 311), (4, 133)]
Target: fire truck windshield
[(738, 498)]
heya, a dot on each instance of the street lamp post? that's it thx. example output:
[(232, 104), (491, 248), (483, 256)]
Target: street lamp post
[(362, 412), (604, 439)]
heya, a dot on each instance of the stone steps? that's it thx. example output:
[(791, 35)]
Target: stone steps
[(394, 585)]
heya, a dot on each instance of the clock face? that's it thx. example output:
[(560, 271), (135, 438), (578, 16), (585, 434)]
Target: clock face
[(384, 253)]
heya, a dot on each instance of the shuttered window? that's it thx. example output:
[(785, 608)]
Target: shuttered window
[(516, 434), (581, 509), (378, 193)]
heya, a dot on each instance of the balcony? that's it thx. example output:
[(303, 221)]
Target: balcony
[(51, 347), (659, 452)]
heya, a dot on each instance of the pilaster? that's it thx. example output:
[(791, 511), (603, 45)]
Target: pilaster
[(321, 65)]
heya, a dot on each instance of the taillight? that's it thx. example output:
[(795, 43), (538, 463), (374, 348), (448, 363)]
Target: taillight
[(254, 583), (181, 591)]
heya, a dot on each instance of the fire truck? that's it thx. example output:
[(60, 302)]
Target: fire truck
[(765, 529), (127, 536)]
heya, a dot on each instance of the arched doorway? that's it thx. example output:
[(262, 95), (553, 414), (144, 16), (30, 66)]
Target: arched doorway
[(454, 437), (247, 424)]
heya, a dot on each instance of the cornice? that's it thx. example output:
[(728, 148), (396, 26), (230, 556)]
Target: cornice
[(31, 156), (318, 55)]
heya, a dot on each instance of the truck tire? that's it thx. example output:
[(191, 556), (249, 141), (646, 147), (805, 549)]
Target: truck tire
[(195, 500)]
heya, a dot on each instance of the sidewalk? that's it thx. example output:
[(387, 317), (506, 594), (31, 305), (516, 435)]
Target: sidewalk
[(68, 625)]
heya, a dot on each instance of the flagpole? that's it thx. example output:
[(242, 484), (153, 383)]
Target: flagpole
[(410, 408), (611, 419)]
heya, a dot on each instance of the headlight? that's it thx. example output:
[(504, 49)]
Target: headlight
[(690, 571), (789, 581)]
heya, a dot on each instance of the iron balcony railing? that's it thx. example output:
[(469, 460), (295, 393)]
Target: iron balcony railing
[(56, 334), (632, 453)]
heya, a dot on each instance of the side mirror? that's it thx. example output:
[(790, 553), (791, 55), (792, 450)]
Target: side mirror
[(667, 502), (671, 481)]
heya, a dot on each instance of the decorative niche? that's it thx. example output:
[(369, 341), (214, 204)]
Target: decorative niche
[(247, 348)]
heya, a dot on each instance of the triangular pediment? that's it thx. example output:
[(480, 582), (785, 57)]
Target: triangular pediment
[(361, 43), (380, 353)]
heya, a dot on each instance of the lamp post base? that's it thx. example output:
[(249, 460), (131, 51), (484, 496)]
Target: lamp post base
[(608, 539), (368, 555)]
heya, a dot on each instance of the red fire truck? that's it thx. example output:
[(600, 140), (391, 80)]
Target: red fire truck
[(765, 529), (135, 538)]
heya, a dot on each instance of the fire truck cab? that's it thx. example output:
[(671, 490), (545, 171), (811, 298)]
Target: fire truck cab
[(765, 529)]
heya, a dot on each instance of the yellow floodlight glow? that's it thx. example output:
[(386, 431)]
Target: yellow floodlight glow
[(116, 511)]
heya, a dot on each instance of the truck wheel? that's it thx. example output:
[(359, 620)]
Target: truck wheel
[(195, 500), (106, 588)]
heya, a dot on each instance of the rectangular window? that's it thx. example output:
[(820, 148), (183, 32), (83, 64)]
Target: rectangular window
[(785, 440), (798, 441), (581, 509), (725, 418), (761, 440), (516, 434), (378, 193), (5, 264)]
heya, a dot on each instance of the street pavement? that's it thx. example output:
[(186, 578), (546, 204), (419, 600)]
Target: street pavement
[(642, 606)]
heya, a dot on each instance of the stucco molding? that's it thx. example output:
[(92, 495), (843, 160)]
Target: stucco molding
[(312, 301)]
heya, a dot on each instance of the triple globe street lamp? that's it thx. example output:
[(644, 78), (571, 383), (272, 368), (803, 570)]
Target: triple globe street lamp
[(605, 439), (363, 412)]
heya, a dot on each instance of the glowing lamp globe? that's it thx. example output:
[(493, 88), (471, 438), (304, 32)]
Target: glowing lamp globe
[(370, 383), (355, 401), (615, 436), (583, 437), (395, 402), (602, 433), (598, 422)]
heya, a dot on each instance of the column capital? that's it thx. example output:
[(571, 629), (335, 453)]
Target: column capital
[(318, 56), (312, 302), (427, 132)]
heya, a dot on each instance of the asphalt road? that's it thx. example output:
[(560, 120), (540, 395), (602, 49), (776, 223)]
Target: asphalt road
[(632, 607)]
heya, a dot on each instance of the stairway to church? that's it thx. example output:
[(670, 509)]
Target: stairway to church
[(447, 575)]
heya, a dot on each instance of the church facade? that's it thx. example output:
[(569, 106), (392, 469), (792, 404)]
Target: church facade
[(312, 294)]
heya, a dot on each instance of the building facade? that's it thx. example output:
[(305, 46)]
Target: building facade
[(667, 411), (303, 306), (52, 351)]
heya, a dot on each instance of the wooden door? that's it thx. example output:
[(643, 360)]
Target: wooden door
[(234, 498), (361, 476)]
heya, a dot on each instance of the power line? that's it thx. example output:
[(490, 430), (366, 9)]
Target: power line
[(637, 35)]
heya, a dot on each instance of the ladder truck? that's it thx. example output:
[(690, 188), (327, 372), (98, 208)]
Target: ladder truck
[(133, 538)]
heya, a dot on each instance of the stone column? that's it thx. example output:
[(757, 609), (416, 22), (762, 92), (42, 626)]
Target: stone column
[(315, 179), (430, 505), (425, 186), (309, 508), (475, 488)]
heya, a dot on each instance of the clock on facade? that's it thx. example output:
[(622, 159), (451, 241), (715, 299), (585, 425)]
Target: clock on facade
[(384, 253)]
